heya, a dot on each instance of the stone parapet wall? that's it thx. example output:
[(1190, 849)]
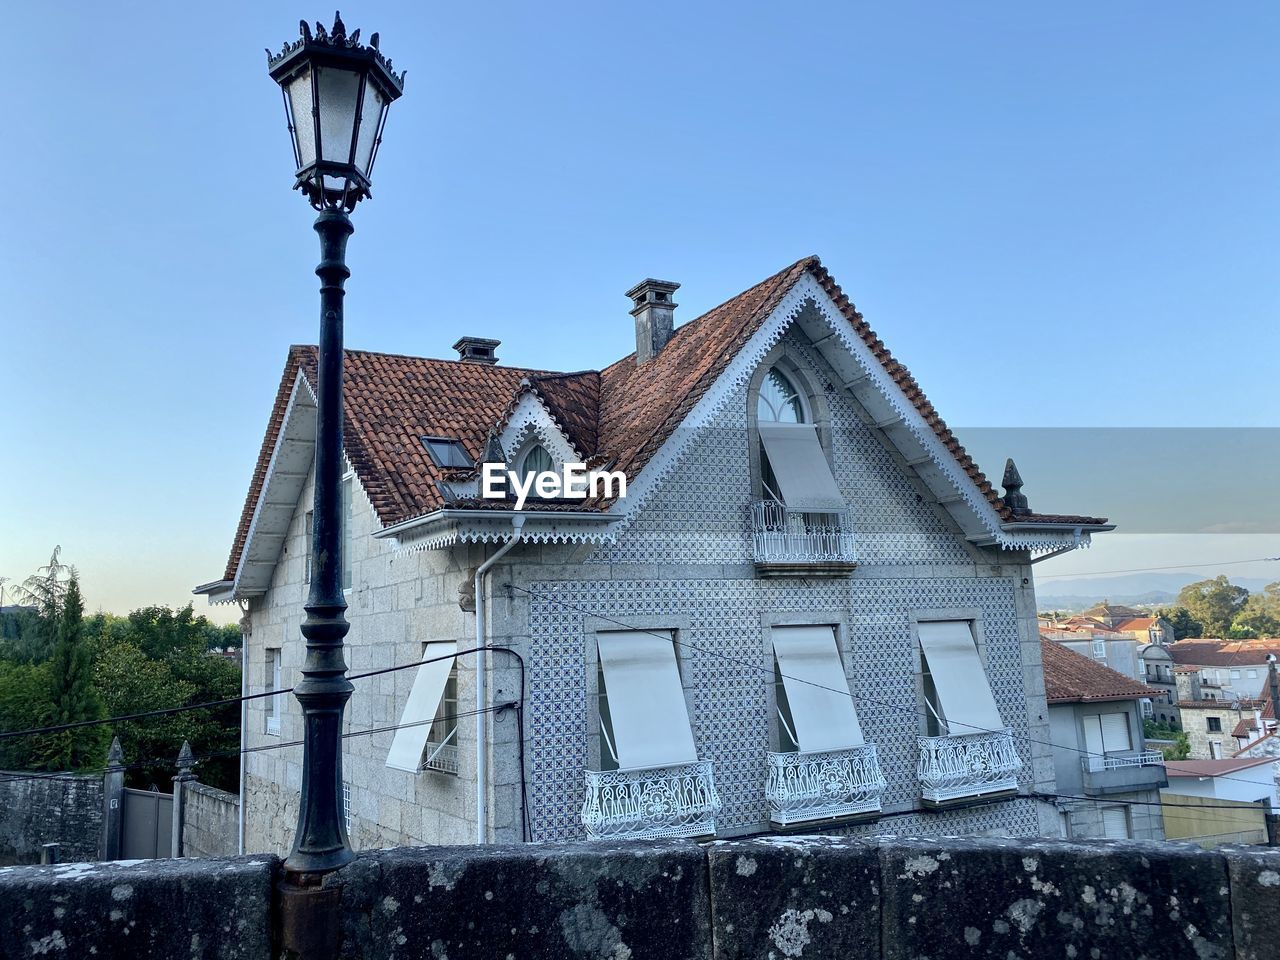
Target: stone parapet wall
[(60, 808), (810, 897), (210, 821)]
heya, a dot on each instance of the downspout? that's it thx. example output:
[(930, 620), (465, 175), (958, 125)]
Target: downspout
[(246, 630), (482, 684)]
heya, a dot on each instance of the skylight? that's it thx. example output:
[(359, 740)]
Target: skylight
[(447, 453)]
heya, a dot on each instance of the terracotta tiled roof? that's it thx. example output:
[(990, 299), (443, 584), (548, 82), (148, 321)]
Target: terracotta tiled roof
[(1247, 725), (622, 414), (1222, 653), (1137, 623), (1070, 677), (1213, 768)]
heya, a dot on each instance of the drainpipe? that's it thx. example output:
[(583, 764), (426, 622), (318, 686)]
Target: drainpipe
[(246, 629), (482, 683)]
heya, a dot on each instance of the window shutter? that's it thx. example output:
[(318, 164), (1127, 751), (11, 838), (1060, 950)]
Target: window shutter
[(814, 678), (421, 707), (1115, 733), (801, 468), (646, 700), (1093, 741), (964, 694), (1115, 823)]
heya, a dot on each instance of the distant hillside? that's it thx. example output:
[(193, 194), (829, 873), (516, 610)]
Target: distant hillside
[(1131, 589)]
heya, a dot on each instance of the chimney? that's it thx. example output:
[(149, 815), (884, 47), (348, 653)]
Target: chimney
[(653, 310), (477, 349)]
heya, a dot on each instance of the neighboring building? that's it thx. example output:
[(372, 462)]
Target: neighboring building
[(1114, 649), (1210, 725), (1220, 801), (1112, 615), (810, 608), (1243, 779), (1095, 722), (1157, 630), (1237, 667), (1157, 673)]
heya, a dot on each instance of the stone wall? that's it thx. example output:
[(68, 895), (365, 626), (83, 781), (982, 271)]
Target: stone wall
[(801, 897), (58, 808), (210, 821)]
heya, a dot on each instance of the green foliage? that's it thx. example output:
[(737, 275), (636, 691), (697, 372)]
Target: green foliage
[(1214, 603), (1260, 616), (24, 703), (72, 695), (1181, 748), (1184, 625)]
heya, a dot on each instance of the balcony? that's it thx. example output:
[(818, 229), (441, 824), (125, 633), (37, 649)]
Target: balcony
[(1124, 773), (961, 769), (644, 803), (789, 543), (804, 787), (441, 757)]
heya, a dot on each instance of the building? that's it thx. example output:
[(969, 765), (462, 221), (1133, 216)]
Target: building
[(810, 608), (1238, 668), (1157, 673), (1157, 630), (1211, 725), (1112, 615), (1108, 781), (1116, 650), (1225, 800)]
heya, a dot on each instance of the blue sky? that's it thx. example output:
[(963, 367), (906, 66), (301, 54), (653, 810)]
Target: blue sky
[(1056, 215)]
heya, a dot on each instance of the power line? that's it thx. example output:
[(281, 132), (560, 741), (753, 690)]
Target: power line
[(1176, 566)]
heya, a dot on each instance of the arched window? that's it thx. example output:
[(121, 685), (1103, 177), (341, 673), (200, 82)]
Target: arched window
[(536, 461), (779, 401)]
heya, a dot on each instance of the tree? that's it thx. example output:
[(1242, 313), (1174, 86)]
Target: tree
[(1184, 625), (1214, 603), (44, 590), (1260, 616), (72, 695)]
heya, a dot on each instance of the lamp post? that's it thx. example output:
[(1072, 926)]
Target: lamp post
[(336, 94)]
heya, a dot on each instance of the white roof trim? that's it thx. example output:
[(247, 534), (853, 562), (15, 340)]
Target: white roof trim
[(445, 528), (875, 389)]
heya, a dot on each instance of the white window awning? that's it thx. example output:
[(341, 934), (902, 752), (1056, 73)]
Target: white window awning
[(421, 707), (801, 468), (817, 692), (964, 693), (646, 699)]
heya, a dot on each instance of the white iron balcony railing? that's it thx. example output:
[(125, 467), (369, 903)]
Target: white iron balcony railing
[(1147, 758), (817, 786), (963, 767), (442, 757), (647, 802), (782, 536)]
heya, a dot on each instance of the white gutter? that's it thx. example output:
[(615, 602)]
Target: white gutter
[(482, 683)]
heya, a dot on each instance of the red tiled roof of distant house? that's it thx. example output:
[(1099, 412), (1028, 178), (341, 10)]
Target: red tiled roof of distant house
[(1248, 725), (1222, 653), (623, 413), (1070, 677), (1137, 623), (1213, 768)]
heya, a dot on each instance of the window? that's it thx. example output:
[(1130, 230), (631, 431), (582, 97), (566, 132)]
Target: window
[(1213, 724), (1251, 674), (958, 698), (308, 528), (424, 711), (441, 752), (346, 532), (1100, 649), (1115, 823), (536, 461), (275, 704), (815, 711), (642, 700), (1107, 733), (779, 401), (1064, 825), (1235, 674), (448, 454)]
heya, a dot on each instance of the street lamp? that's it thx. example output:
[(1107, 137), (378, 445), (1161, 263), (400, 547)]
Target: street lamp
[(336, 94)]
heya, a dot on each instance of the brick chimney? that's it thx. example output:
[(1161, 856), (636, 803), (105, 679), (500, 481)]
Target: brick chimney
[(477, 349), (654, 311)]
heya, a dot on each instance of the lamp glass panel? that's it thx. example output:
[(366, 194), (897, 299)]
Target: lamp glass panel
[(370, 117), (304, 131), (339, 93)]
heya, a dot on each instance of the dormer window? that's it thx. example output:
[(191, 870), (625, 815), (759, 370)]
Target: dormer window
[(536, 461), (447, 454)]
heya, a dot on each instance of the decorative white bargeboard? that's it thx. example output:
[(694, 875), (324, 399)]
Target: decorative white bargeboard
[(815, 786), (957, 767), (643, 803), (1147, 758), (780, 535)]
